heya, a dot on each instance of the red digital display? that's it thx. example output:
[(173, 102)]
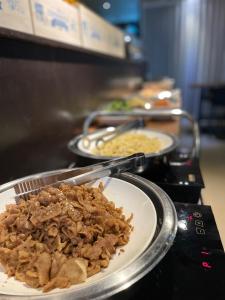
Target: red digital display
[(206, 265), (190, 218)]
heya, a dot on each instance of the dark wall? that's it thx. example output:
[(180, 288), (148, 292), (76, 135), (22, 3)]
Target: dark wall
[(45, 92)]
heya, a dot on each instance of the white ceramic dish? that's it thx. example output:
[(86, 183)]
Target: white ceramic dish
[(123, 194)]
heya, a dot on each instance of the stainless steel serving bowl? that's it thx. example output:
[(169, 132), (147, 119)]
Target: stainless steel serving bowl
[(75, 146), (122, 279), (86, 157)]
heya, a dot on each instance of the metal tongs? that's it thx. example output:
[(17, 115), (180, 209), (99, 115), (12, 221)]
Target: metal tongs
[(24, 188), (111, 133)]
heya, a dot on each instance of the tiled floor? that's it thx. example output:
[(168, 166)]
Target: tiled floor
[(213, 170)]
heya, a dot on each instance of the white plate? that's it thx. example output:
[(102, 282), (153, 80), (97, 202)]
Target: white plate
[(166, 140), (123, 194)]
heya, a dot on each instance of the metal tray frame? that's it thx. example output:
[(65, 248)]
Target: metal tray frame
[(124, 278), (176, 112)]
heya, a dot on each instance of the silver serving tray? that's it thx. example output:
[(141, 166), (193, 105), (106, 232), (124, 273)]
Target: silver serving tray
[(126, 277)]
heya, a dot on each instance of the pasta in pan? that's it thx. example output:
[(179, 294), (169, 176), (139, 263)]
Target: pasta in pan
[(128, 144)]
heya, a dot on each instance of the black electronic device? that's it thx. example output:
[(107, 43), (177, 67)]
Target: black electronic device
[(194, 268), (182, 181)]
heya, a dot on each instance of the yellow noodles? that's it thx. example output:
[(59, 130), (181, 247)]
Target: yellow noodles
[(129, 143)]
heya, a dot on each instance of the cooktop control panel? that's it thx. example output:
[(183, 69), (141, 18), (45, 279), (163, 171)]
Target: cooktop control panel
[(197, 227), (197, 255), (194, 268)]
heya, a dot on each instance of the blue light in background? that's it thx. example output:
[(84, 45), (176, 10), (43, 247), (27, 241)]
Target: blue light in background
[(116, 11)]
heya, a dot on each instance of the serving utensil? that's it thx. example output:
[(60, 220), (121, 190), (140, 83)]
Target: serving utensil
[(111, 133), (24, 188)]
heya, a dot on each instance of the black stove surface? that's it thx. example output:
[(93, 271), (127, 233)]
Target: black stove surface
[(183, 183), (194, 268), (178, 175)]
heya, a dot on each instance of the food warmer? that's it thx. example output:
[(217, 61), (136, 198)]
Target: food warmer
[(175, 171)]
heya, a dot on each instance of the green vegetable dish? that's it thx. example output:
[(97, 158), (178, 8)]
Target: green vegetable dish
[(118, 105)]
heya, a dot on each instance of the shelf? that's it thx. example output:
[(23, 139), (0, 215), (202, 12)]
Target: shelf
[(17, 44)]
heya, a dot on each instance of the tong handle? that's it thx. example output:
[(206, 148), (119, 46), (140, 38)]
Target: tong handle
[(133, 163), (86, 140), (119, 130)]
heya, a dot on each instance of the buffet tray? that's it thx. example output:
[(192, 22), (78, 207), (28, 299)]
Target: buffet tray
[(121, 279)]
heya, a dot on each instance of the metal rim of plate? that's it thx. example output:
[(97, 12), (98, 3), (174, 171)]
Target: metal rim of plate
[(73, 146), (124, 278)]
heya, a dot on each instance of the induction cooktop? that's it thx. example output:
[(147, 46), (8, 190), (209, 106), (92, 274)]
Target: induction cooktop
[(181, 180), (194, 268), (180, 177)]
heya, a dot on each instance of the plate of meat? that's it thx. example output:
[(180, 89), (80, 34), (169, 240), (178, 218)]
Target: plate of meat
[(74, 240)]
